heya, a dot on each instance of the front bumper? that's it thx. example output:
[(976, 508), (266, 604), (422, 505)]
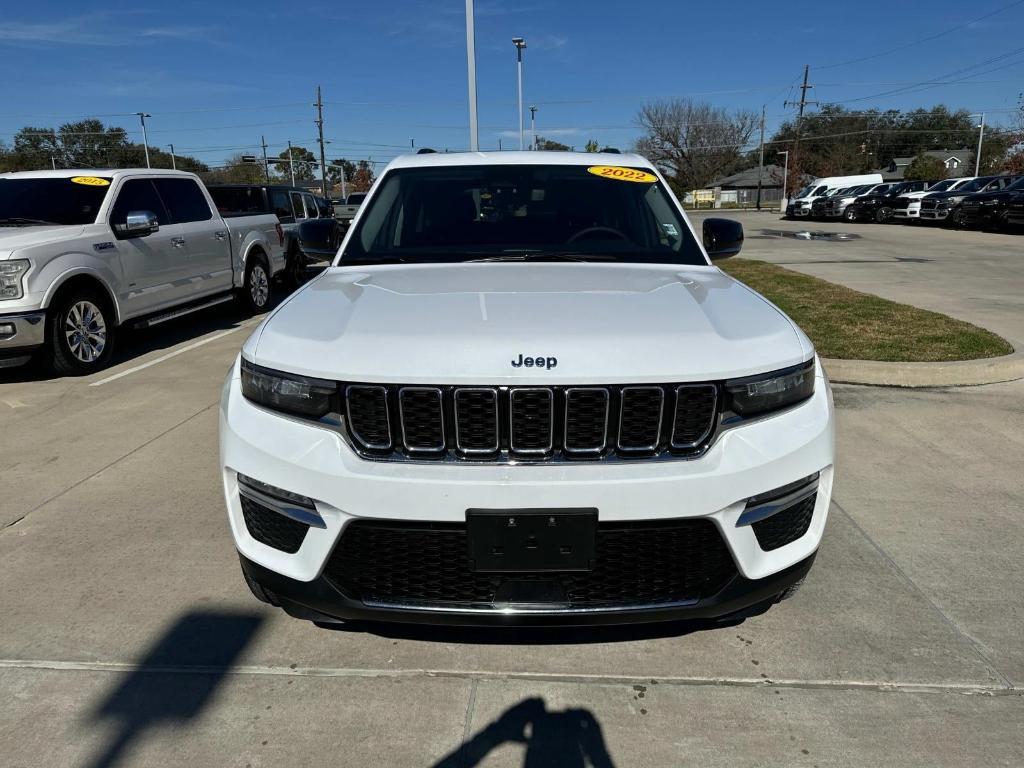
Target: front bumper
[(910, 212), (20, 335), (935, 214), (317, 462), (318, 600), (980, 216)]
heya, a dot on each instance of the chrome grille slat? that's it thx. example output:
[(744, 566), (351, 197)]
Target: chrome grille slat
[(639, 419), (578, 401), (501, 424), (693, 416), (479, 401), (421, 417), (531, 418), (369, 418)]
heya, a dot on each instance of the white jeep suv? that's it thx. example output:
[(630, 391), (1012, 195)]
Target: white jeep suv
[(523, 394)]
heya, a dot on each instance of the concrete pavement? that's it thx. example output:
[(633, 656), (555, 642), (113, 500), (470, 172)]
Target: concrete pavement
[(129, 638)]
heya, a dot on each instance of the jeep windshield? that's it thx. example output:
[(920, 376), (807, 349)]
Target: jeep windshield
[(519, 213), (45, 201)]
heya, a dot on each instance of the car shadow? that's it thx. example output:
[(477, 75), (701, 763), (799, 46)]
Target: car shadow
[(570, 738), (616, 633), (175, 680)]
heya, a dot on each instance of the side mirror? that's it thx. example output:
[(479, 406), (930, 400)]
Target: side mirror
[(722, 238), (138, 224)]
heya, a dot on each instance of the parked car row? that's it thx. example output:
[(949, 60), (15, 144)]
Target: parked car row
[(986, 202)]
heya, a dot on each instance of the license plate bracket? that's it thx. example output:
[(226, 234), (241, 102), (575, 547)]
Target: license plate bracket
[(531, 540)]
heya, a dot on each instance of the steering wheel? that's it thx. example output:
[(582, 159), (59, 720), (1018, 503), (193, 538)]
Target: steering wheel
[(594, 230)]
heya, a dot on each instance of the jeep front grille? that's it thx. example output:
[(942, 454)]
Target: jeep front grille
[(494, 424)]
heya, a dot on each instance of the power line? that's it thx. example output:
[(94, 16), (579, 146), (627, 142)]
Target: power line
[(922, 40)]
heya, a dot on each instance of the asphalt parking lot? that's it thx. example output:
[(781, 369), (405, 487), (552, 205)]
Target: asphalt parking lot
[(129, 638)]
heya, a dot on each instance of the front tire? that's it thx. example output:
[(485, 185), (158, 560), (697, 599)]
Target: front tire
[(255, 293), (295, 269), (883, 214), (81, 333), (850, 215)]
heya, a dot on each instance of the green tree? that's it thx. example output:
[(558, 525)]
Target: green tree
[(339, 167), (235, 171), (551, 145), (304, 161), (592, 146), (925, 168)]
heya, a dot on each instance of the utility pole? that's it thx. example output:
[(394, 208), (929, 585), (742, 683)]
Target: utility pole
[(174, 166), (412, 143), (474, 133), (291, 163), (785, 177), (802, 103), (320, 128), (53, 162), (760, 161), (977, 157), (266, 165), (145, 138), (520, 43), (533, 127)]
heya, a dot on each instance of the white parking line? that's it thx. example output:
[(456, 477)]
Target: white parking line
[(169, 355)]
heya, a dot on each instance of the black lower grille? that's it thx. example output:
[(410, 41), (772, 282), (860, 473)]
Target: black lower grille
[(786, 526), (272, 528), (640, 563)]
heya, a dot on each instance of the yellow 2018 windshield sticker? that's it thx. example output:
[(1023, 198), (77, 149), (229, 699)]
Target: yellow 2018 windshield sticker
[(622, 174), (90, 181)]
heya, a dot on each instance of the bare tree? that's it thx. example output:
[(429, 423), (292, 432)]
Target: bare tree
[(693, 142)]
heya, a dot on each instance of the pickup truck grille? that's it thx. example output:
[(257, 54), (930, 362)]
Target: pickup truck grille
[(494, 424)]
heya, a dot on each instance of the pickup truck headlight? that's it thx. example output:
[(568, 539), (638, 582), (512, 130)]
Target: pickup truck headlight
[(754, 395), (11, 272), (288, 392)]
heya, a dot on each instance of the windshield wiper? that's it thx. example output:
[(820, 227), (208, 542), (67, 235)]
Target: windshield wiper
[(18, 221), (541, 256)]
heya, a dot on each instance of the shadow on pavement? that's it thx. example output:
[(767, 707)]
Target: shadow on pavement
[(176, 679), (619, 633), (567, 739)]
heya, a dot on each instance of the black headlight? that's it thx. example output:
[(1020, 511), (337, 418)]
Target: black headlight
[(753, 395), (288, 392)]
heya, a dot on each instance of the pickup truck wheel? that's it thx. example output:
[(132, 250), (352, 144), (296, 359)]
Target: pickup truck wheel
[(80, 334), (255, 293), (295, 269), (850, 215)]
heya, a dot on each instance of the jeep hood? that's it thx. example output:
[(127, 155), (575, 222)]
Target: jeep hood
[(15, 238), (461, 323)]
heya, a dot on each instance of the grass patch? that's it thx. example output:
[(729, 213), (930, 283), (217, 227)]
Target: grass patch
[(850, 325)]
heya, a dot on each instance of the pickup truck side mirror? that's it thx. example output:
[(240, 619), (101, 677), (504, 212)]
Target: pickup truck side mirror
[(722, 238), (138, 224)]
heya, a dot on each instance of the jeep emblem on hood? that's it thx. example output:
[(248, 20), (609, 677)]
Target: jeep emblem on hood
[(535, 362)]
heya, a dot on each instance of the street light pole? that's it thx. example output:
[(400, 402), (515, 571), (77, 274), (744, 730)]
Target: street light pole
[(977, 157), (520, 44), (474, 133), (533, 127), (174, 165), (145, 137), (785, 176)]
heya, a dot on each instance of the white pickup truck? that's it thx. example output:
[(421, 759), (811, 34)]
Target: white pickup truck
[(84, 252)]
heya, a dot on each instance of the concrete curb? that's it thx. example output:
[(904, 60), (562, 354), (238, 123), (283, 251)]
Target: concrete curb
[(959, 373)]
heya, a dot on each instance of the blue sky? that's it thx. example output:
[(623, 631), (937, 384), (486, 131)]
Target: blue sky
[(217, 75)]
